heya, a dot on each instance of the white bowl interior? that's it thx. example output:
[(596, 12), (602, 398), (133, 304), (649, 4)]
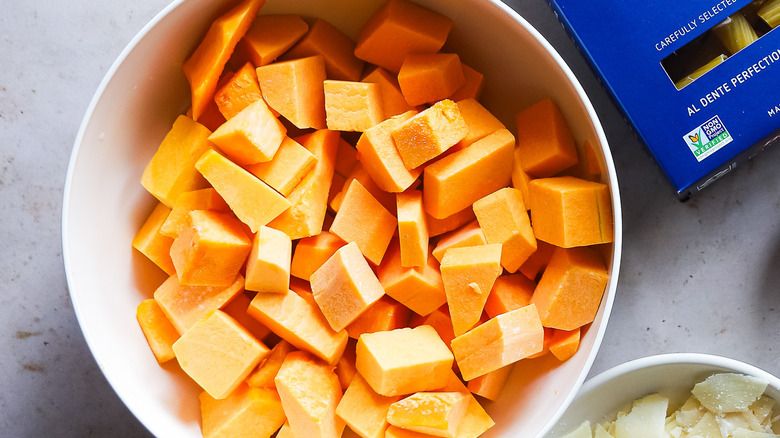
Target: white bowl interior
[(136, 104), (671, 375)]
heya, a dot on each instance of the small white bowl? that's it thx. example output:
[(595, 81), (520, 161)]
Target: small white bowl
[(671, 375), (136, 104)]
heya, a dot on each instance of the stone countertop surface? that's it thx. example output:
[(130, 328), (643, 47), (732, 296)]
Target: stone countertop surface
[(700, 276)]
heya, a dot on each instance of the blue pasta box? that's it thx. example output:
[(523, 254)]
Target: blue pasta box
[(699, 80)]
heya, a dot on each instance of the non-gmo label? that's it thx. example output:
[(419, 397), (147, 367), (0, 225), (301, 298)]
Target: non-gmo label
[(707, 138)]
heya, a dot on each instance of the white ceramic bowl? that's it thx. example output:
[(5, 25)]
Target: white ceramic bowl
[(135, 105), (672, 375)]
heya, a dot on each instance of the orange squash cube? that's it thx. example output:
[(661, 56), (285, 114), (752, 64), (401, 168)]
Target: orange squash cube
[(419, 288), (433, 413), (476, 421), (430, 133), (345, 368), (568, 211), (312, 252), (202, 199), (205, 65), (509, 292), (479, 120), (570, 290), (268, 265), (309, 199), (352, 106), (499, 342), (468, 274), (504, 219), (412, 229), (242, 191), (269, 37), (400, 27), (438, 227), (538, 260), (564, 344), (385, 314), (218, 354), (361, 174), (263, 376), (288, 167), (171, 171), (238, 92), (365, 411), (158, 330), (337, 50), (237, 308), (403, 361), (490, 385), (310, 392), (294, 89), (251, 136), (545, 141), (380, 157), (345, 286), (458, 180), (430, 77), (186, 305), (393, 101), (467, 235), (300, 323), (255, 409), (363, 220), (440, 320), (210, 250), (346, 158), (472, 89), (521, 178), (150, 241)]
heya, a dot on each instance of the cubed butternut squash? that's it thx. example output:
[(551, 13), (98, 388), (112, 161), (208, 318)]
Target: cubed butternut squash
[(309, 199), (310, 393), (490, 385), (385, 314), (509, 292), (544, 139), (218, 354), (393, 101), (400, 27), (363, 220), (210, 250), (158, 330), (287, 168), (268, 265), (499, 342), (294, 89), (380, 156), (430, 133), (467, 235), (570, 290), (365, 411), (336, 49), (238, 92), (412, 229), (171, 171), (186, 305), (345, 286), (458, 180), (403, 361), (263, 376), (568, 211), (564, 344), (312, 252), (202, 199), (503, 218), (269, 37), (245, 409), (468, 274), (242, 191), (352, 106), (251, 136), (432, 413), (419, 288), (150, 241), (426, 78), (300, 323)]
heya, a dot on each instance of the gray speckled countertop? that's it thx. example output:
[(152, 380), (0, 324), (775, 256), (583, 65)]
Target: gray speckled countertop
[(701, 276)]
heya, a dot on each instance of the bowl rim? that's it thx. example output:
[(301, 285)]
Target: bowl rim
[(611, 173), (659, 360)]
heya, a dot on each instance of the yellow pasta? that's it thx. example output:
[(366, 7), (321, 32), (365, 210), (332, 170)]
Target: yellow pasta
[(700, 71), (770, 12), (735, 33)]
